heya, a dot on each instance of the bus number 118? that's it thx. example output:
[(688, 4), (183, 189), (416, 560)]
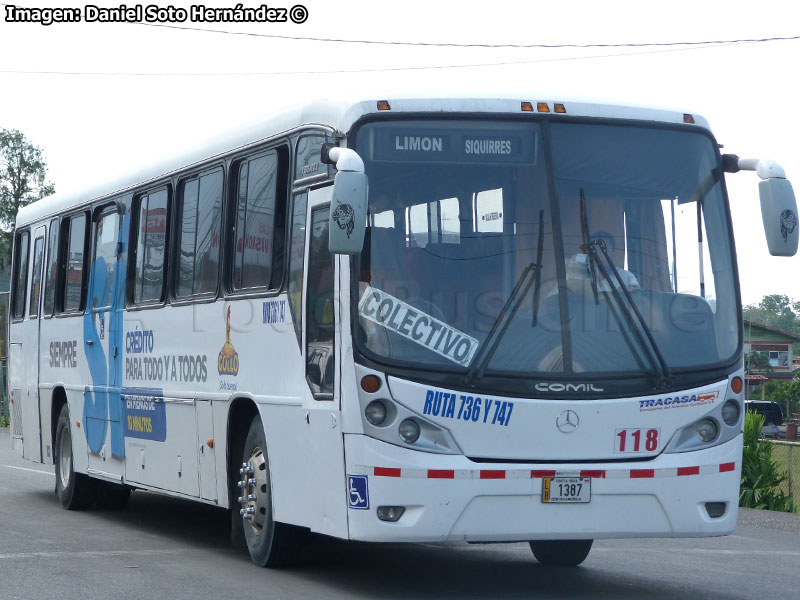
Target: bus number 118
[(636, 440)]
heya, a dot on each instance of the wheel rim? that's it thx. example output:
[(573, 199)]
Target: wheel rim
[(255, 491), (65, 458)]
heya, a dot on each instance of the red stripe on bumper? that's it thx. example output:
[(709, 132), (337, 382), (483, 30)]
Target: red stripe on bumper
[(386, 472), (493, 474), (725, 467), (642, 473), (688, 471), (538, 474), (441, 474), (594, 474)]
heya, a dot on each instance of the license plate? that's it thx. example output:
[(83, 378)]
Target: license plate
[(566, 489)]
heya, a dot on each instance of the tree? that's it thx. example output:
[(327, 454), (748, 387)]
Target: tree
[(785, 393), (777, 311), (23, 174)]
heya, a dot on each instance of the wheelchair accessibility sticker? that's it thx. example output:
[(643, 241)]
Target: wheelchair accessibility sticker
[(357, 492)]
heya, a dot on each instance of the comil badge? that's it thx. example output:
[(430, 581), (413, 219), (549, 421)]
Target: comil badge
[(228, 360)]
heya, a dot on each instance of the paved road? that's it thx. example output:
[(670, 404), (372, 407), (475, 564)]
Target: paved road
[(160, 547)]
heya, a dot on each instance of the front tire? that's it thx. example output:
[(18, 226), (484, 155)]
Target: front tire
[(270, 544), (561, 553), (75, 491)]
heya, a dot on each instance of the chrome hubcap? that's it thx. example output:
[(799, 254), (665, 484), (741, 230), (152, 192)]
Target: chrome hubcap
[(65, 458), (254, 487)]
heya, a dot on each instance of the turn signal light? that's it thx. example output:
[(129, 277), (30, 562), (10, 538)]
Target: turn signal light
[(736, 385), (370, 383)]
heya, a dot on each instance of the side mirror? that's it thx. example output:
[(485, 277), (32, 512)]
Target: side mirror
[(348, 203), (779, 213)]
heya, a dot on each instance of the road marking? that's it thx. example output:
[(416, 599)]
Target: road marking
[(30, 470), (88, 553), (713, 551)]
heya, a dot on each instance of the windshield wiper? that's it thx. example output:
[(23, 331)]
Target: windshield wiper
[(511, 306), (586, 242), (538, 269), (501, 323), (630, 309)]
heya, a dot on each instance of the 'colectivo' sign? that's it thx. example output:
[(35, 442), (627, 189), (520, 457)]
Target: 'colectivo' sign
[(415, 325)]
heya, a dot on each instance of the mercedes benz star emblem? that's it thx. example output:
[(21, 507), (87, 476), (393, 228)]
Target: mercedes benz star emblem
[(567, 421)]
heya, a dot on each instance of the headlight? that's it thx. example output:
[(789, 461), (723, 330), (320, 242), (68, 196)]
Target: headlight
[(730, 412), (375, 412), (409, 431), (706, 430)]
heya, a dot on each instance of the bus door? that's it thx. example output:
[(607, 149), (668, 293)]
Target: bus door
[(29, 329), (321, 402), (102, 330)]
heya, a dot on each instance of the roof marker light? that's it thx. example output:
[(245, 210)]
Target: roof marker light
[(560, 109), (687, 118), (527, 107), (384, 105), (542, 107)]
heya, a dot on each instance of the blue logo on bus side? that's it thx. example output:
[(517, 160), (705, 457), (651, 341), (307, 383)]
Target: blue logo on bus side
[(357, 492), (101, 400)]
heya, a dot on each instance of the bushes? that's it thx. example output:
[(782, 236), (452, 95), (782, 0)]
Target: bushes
[(760, 475)]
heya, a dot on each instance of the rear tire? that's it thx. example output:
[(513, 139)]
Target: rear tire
[(561, 553), (270, 544), (75, 491)]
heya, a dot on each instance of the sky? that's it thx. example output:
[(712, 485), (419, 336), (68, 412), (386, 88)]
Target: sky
[(101, 99)]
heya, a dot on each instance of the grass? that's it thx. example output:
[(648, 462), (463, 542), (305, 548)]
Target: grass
[(780, 454)]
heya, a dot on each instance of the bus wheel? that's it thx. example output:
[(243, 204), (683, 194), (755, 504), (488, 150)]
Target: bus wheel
[(270, 544), (75, 491), (561, 553)]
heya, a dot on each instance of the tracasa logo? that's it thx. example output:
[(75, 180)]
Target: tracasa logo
[(228, 361)]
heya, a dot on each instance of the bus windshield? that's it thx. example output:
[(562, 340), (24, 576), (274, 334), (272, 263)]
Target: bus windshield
[(572, 249)]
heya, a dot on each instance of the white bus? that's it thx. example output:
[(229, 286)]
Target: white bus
[(429, 320)]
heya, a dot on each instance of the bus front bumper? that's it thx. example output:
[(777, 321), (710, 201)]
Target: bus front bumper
[(453, 499)]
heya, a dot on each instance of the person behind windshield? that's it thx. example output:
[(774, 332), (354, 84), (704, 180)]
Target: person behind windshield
[(578, 265)]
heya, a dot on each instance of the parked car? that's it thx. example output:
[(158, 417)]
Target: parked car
[(773, 415)]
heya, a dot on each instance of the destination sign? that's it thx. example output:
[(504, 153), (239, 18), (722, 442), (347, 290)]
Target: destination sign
[(430, 144)]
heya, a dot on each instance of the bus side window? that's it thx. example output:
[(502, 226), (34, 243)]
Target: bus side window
[(74, 263), (20, 274), (260, 222), (36, 277), (105, 250), (297, 247), (199, 215), (151, 233), (320, 320), (51, 270)]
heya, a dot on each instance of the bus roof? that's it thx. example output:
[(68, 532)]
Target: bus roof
[(339, 115)]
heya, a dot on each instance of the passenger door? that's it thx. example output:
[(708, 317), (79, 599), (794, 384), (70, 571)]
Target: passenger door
[(31, 418), (102, 338), (320, 352)]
